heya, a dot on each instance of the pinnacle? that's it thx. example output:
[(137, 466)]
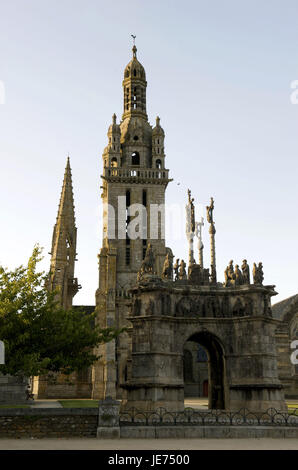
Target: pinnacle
[(66, 205)]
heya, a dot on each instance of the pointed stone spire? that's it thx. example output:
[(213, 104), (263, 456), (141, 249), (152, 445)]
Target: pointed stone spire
[(63, 254), (66, 204)]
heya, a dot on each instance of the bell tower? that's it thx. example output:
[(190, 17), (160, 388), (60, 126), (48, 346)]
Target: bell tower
[(134, 181)]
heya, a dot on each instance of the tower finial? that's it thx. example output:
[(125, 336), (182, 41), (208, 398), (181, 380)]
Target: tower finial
[(134, 49)]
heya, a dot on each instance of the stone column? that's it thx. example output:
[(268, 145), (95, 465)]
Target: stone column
[(108, 419), (212, 232), (190, 227), (199, 226)]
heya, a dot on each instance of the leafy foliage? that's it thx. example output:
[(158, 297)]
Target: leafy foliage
[(40, 336)]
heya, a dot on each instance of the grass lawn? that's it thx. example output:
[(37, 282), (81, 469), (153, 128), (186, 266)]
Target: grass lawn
[(79, 403)]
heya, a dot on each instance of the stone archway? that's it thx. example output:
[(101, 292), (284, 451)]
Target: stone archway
[(216, 368), (233, 325)]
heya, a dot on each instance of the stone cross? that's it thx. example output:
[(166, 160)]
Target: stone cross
[(190, 226), (199, 226), (212, 232)]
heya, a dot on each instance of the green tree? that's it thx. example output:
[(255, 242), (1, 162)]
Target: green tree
[(40, 336)]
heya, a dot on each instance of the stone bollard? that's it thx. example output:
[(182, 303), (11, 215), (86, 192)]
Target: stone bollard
[(2, 353), (108, 419)]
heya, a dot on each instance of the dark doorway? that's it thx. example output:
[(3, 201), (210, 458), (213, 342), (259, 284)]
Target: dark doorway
[(210, 382)]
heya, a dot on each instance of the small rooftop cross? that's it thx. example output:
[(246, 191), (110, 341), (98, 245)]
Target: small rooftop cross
[(134, 39)]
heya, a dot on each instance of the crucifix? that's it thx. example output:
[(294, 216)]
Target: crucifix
[(199, 226)]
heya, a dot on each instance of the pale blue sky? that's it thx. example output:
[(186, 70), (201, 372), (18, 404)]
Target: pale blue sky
[(219, 75)]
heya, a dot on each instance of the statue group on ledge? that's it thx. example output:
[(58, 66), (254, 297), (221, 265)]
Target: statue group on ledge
[(233, 276), (238, 277), (180, 270)]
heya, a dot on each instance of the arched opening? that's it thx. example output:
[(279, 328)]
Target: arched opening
[(158, 163), (135, 159), (114, 162), (204, 369)]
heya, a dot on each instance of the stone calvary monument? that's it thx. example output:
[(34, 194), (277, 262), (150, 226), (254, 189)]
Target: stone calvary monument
[(233, 322), (169, 310)]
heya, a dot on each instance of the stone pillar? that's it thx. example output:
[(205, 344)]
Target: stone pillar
[(2, 353), (13, 390), (190, 237), (108, 419), (212, 232), (190, 227), (199, 226)]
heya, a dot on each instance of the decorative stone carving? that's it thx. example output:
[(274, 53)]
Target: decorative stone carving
[(184, 307), (176, 269), (258, 274), (210, 212), (136, 307), (245, 272), (147, 265), (167, 272), (163, 305), (150, 309), (182, 271), (238, 276), (238, 310), (248, 309), (229, 275), (225, 307)]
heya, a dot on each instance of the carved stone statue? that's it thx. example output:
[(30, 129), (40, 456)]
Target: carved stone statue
[(167, 272), (229, 274), (245, 272), (238, 276), (210, 211), (191, 222), (182, 271), (176, 269), (147, 265), (258, 274)]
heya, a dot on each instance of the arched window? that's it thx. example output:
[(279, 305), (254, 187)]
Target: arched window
[(202, 355), (114, 162), (135, 159), (158, 163)]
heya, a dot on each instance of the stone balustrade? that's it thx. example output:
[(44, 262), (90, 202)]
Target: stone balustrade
[(136, 173)]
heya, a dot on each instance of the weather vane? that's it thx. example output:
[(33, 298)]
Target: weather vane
[(134, 39)]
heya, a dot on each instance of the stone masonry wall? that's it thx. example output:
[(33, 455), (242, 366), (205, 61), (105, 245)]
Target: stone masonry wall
[(41, 423)]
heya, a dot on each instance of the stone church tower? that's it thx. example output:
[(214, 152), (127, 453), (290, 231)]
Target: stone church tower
[(63, 254), (133, 173)]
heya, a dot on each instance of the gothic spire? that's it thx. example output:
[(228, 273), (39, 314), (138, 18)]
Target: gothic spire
[(63, 252), (66, 204)]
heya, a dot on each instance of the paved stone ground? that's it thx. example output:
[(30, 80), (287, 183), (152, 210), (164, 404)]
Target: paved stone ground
[(149, 444), (46, 404)]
